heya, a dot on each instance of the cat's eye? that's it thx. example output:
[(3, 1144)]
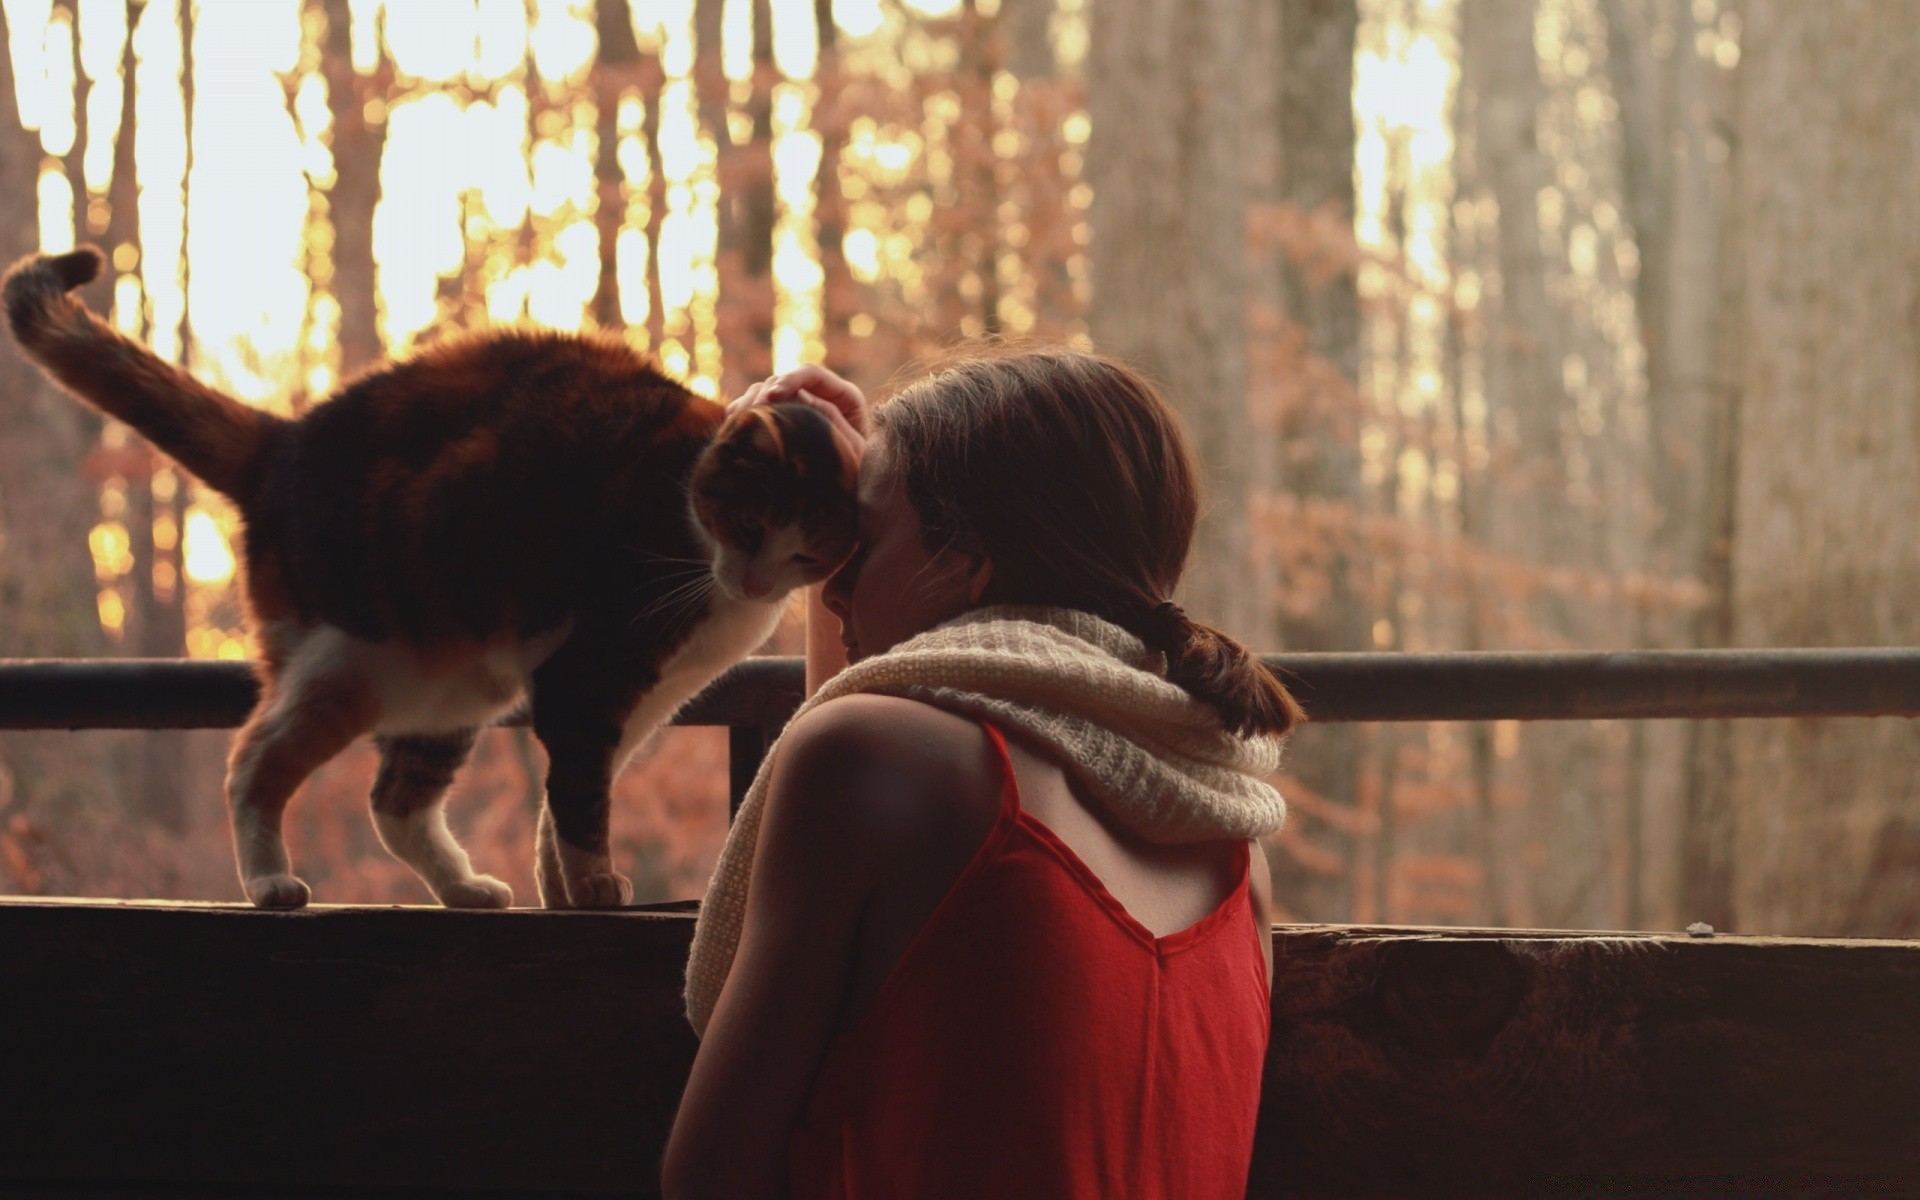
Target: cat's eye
[(804, 560)]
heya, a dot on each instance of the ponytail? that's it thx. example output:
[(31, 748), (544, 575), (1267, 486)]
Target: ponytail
[(1217, 671)]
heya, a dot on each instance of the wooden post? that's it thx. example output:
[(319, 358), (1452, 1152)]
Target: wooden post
[(746, 750)]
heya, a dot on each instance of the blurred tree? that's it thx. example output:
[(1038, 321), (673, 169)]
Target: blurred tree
[(1027, 28), (156, 623), (743, 307), (616, 71), (48, 604), (1523, 505), (1309, 350), (652, 83), (1673, 99), (744, 254), (86, 217), (839, 301), (359, 133), (977, 190), (713, 96), (1041, 250), (1824, 550), (1670, 104), (1165, 91), (1315, 179)]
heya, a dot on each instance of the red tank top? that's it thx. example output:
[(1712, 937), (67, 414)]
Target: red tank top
[(1035, 1040)]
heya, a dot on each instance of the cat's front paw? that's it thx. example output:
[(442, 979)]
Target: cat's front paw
[(606, 890), (481, 891), (278, 891)]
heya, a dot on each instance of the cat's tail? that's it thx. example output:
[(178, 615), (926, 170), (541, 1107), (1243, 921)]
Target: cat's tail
[(212, 435)]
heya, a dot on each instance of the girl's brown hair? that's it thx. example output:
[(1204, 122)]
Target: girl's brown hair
[(1070, 473)]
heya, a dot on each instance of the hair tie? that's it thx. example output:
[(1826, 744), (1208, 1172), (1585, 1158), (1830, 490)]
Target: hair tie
[(1166, 624)]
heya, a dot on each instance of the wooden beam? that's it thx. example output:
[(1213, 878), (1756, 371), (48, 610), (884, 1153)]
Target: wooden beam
[(1522, 1063), (339, 1048), (150, 1049)]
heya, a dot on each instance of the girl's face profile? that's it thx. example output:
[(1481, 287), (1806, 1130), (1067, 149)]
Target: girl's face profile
[(894, 587)]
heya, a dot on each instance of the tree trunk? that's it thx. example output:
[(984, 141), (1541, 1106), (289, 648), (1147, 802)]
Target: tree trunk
[(614, 70), (839, 293), (1524, 508), (48, 602), (1315, 352), (742, 362), (1675, 199), (123, 253), (1707, 843), (1164, 95), (1038, 290), (743, 255), (976, 163), (84, 214), (1316, 173), (156, 611), (1026, 26), (1824, 549), (712, 93), (357, 146), (652, 85)]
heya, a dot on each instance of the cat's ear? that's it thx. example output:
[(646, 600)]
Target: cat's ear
[(768, 436), (751, 432)]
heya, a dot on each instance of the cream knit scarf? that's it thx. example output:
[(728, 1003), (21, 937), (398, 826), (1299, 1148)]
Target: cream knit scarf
[(1154, 757)]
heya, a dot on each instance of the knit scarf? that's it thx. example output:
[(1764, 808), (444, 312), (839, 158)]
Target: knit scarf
[(1156, 759)]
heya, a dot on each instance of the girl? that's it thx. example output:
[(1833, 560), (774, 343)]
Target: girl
[(990, 923)]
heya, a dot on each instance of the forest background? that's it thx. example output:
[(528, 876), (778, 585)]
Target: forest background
[(1498, 324)]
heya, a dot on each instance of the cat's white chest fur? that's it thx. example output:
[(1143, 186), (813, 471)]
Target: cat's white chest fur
[(732, 630)]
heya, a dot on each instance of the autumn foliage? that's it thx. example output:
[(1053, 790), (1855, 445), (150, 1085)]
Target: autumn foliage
[(1488, 357)]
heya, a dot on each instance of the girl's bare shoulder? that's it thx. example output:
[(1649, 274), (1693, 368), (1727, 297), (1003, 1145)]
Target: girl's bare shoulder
[(882, 761), (889, 732)]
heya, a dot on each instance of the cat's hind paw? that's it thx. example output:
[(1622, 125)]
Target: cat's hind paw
[(481, 891), (278, 891), (607, 890)]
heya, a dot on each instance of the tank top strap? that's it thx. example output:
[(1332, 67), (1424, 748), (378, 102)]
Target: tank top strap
[(1009, 783)]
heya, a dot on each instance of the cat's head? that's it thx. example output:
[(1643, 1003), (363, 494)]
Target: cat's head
[(774, 497)]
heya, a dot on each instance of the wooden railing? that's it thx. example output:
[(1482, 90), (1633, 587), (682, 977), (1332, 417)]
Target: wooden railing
[(156, 1049), (756, 697)]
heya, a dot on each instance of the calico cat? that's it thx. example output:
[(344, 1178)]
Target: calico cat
[(512, 513)]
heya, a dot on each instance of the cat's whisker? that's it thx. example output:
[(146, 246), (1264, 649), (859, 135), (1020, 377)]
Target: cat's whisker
[(646, 555), (679, 574), (669, 603), (691, 569), (689, 579), (693, 589), (695, 595), (697, 589)]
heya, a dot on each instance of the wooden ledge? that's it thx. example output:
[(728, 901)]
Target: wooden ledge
[(159, 1048)]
